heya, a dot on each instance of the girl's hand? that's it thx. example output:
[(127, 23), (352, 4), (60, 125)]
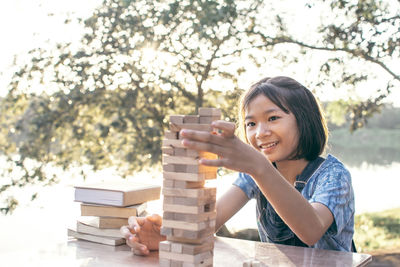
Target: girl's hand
[(233, 153), (143, 233)]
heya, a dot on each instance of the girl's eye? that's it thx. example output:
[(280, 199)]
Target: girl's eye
[(250, 124), (273, 118)]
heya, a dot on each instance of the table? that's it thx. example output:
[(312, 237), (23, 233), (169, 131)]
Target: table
[(227, 252)]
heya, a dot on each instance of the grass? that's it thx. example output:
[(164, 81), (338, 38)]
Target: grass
[(377, 230)]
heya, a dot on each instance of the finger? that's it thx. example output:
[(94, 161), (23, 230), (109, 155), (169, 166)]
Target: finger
[(140, 252), (155, 219), (225, 128), (133, 242), (212, 162), (203, 146), (200, 136), (126, 232), (135, 223)]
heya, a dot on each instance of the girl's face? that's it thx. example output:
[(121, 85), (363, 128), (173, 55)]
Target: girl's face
[(270, 130)]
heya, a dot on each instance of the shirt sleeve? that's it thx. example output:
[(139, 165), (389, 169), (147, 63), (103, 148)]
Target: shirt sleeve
[(247, 184), (334, 190)]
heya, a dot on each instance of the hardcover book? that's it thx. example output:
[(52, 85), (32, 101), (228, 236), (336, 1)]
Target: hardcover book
[(111, 211), (119, 194), (91, 230), (112, 241), (103, 222)]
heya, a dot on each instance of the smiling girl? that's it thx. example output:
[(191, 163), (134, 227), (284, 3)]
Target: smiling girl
[(302, 198)]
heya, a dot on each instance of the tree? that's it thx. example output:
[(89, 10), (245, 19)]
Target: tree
[(106, 99), (360, 43)]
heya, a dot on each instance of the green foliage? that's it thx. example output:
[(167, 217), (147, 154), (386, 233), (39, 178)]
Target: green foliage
[(105, 101), (378, 230)]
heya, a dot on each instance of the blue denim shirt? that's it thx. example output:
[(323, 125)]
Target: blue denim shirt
[(329, 185)]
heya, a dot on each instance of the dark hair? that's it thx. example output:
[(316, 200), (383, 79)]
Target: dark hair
[(292, 97)]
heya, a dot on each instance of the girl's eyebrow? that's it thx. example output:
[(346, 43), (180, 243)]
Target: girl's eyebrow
[(248, 117)]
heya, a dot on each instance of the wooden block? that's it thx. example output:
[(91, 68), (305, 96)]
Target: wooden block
[(191, 119), (198, 258), (179, 160), (247, 263), (199, 168), (176, 263), (209, 112), (176, 247), (189, 226), (197, 241), (164, 262), (191, 234), (176, 118), (165, 245), (197, 192), (184, 168), (183, 176), (189, 209), (172, 143), (165, 231), (183, 248), (167, 150), (196, 249), (189, 201), (176, 127), (208, 119), (190, 217), (168, 168), (182, 184), (171, 135), (175, 167), (205, 263)]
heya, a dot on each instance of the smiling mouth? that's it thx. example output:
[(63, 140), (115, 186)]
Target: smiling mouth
[(269, 145)]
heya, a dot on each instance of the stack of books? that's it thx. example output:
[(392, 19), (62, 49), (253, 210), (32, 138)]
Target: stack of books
[(105, 207)]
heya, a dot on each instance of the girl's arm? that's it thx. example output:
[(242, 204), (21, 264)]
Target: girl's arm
[(228, 204), (308, 221)]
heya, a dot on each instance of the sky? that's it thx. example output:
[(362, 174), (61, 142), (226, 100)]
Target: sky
[(25, 24)]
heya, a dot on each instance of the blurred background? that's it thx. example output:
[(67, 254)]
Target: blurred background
[(86, 88)]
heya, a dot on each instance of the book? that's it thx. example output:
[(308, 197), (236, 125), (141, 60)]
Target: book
[(117, 193), (112, 211), (91, 230), (112, 241), (103, 222)]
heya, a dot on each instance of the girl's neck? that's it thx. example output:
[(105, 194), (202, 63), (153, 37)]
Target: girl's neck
[(291, 168)]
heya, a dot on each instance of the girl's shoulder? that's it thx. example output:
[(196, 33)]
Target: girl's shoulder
[(331, 173), (333, 165)]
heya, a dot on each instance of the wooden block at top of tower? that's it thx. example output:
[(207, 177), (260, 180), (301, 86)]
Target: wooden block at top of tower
[(191, 119), (210, 112), (176, 127), (208, 119), (176, 119)]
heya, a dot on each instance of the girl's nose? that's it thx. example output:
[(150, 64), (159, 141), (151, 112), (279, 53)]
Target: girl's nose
[(263, 130)]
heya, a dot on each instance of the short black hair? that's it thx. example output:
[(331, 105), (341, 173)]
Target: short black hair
[(292, 97)]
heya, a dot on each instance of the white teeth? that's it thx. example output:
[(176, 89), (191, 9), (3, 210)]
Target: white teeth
[(268, 145)]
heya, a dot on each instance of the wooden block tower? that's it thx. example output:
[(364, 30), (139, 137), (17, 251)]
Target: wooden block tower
[(189, 207)]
